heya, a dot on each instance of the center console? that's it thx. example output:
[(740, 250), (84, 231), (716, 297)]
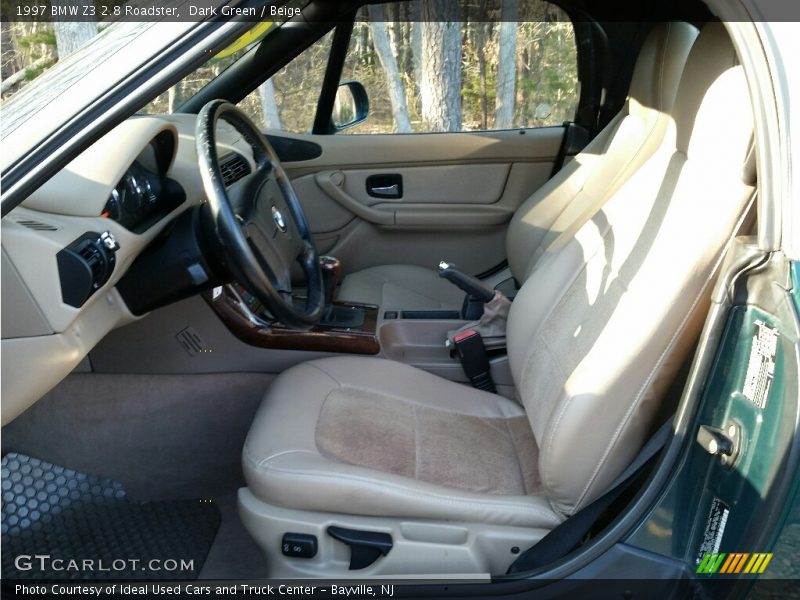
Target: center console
[(421, 343), (414, 337), (245, 317)]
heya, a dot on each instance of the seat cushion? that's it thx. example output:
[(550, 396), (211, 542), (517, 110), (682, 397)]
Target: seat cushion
[(404, 287), (375, 437)]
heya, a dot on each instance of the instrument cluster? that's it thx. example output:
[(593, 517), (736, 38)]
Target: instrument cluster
[(135, 198), (145, 194)]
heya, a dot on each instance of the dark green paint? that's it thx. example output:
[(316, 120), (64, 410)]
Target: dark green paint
[(755, 489)]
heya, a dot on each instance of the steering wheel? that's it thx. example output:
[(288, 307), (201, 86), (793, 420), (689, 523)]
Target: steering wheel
[(259, 221)]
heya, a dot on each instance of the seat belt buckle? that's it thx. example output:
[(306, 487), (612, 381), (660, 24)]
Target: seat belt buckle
[(472, 354)]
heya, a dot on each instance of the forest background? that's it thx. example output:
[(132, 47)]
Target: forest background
[(433, 65)]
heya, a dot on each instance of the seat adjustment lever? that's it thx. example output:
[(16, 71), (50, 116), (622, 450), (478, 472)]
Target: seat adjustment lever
[(365, 546)]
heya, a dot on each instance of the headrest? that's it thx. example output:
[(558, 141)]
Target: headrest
[(660, 63), (712, 113)]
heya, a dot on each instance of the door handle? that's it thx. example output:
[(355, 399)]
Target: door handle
[(331, 182), (392, 191), (385, 186)]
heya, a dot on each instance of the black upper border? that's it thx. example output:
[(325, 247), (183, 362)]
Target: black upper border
[(597, 10)]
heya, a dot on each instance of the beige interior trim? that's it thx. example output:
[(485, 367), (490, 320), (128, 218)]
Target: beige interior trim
[(344, 151), (430, 216), (33, 254), (330, 182), (32, 366), (440, 184), (454, 550), (408, 214), (82, 187), (21, 313)]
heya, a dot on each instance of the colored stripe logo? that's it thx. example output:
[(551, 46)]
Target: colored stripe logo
[(734, 562)]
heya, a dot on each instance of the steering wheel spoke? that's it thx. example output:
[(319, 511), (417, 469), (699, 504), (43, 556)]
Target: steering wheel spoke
[(260, 221)]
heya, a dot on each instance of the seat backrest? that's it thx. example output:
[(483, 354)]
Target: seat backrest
[(581, 187), (600, 328)]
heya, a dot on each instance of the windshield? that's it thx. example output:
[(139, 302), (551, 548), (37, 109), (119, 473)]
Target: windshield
[(40, 60), (41, 77), (179, 93)]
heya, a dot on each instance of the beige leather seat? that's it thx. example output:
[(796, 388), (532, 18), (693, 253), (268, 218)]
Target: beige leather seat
[(596, 335), (568, 199)]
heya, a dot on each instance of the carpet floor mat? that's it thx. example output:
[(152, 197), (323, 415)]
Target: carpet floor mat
[(61, 524)]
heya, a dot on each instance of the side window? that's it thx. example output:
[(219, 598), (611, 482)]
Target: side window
[(288, 100), (497, 65)]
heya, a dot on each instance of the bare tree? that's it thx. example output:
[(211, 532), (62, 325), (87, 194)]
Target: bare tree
[(506, 66), (269, 108), (482, 35), (361, 36), (383, 47), (416, 50), (71, 35), (10, 60), (440, 84)]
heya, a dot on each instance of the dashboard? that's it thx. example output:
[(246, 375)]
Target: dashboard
[(70, 248), (66, 248)]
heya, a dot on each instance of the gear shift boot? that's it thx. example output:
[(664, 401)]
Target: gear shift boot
[(342, 316), (337, 315)]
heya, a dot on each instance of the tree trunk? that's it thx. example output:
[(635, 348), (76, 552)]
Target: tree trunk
[(416, 51), (171, 99), (361, 34), (175, 96), (383, 47), (440, 84), (9, 52), (506, 67), (399, 47), (269, 108), (480, 48), (71, 35)]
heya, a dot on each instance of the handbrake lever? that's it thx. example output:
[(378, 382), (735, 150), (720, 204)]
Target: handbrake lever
[(471, 285)]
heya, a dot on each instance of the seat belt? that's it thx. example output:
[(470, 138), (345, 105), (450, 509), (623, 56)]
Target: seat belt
[(566, 537), (471, 352)]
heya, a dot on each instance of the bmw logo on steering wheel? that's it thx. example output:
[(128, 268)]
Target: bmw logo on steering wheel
[(279, 220)]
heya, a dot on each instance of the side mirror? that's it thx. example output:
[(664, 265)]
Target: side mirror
[(351, 105)]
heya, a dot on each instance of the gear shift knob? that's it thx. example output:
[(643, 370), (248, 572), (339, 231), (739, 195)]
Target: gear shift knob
[(331, 274)]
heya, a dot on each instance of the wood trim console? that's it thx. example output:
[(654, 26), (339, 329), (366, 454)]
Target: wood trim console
[(246, 324)]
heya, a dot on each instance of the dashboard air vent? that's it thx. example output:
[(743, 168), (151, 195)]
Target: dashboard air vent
[(36, 225), (92, 256), (85, 266), (233, 167)]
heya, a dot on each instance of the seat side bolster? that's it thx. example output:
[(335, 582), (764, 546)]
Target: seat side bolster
[(308, 481)]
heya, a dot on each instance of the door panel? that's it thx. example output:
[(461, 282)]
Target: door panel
[(458, 192), (464, 184), (741, 502)]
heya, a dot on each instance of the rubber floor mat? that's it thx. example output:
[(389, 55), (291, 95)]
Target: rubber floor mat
[(63, 524)]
